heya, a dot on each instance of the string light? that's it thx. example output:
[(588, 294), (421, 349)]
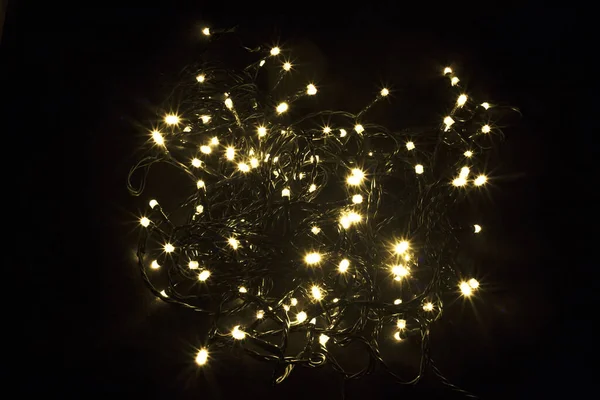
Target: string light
[(313, 250)]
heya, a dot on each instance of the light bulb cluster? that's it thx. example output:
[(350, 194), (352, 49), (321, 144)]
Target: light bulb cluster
[(269, 245)]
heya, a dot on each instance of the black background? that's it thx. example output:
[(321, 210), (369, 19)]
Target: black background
[(83, 81)]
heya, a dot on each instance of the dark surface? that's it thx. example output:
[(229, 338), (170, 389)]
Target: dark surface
[(92, 78)]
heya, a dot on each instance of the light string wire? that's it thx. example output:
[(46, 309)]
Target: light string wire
[(307, 233)]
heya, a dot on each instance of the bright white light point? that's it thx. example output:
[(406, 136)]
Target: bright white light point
[(200, 184), (428, 307), (401, 324), (294, 301), (343, 133), (400, 270), (286, 307), (196, 163), (316, 293), (287, 66), (473, 283), (401, 247), (260, 314), (169, 248), (410, 145), (359, 128), (230, 153), (462, 100), (301, 316), (171, 119), (193, 265), (345, 222), (199, 209), (158, 138), (312, 188), (202, 356), (205, 149), (233, 242), (144, 222), (243, 167), (254, 162), (262, 131), (214, 141), (344, 264), (205, 119), (485, 105), (419, 169), (336, 300), (464, 172), (153, 203), (229, 103), (187, 129), (243, 290), (315, 229), (397, 301), (323, 339), (237, 333), (201, 78), (206, 31), (465, 289), (480, 180), (285, 193), (397, 336), (327, 130), (447, 70), (486, 129), (454, 81), (163, 293), (262, 62), (468, 153), (312, 258), (204, 275), (459, 182), (275, 51), (354, 217), (356, 177), (311, 89), (477, 228), (155, 265), (448, 121), (282, 107), (384, 92), (357, 199)]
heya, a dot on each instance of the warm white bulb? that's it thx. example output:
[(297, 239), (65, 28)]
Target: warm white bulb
[(145, 222), (193, 264), (343, 133), (200, 184), (237, 333), (400, 270), (233, 242), (243, 289), (462, 100), (203, 276), (229, 103), (311, 90), (275, 51), (260, 314), (243, 167), (459, 182), (468, 153), (163, 293), (316, 292), (384, 92), (397, 301), (202, 356), (464, 172), (254, 162), (187, 129), (199, 209), (262, 131), (205, 149), (282, 107), (153, 203), (397, 336), (301, 317), (169, 248), (158, 138), (428, 306), (344, 264), (205, 119), (155, 265), (214, 141), (312, 258), (230, 153), (447, 70), (410, 145), (480, 180), (465, 289), (171, 119), (473, 283), (486, 129), (401, 324), (419, 169), (359, 128), (477, 228), (196, 163), (357, 199), (287, 66), (312, 188), (323, 339), (294, 301), (454, 81), (485, 105), (401, 247), (201, 78), (206, 31), (327, 130), (315, 229), (448, 121), (285, 193)]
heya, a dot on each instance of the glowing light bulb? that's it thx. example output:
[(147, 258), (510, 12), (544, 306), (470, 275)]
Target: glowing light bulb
[(171, 119), (480, 180), (473, 283), (254, 162), (485, 105), (311, 90), (486, 129), (356, 177), (359, 128), (153, 203), (158, 138), (323, 339), (243, 290), (462, 100), (294, 301), (262, 131), (234, 243), (301, 317), (205, 119), (410, 145), (357, 199), (201, 78), (163, 293), (203, 276), (287, 66), (397, 301), (229, 103), (286, 307), (200, 184), (384, 92), (230, 153), (428, 306), (196, 163), (282, 107), (327, 130), (214, 141), (343, 133), (401, 247), (312, 258), (243, 167), (285, 193), (145, 222), (397, 336), (187, 129), (464, 172), (202, 356), (345, 222), (344, 264), (454, 81), (401, 324), (315, 229), (155, 265), (448, 121), (205, 149), (237, 333), (312, 188), (447, 70), (468, 153), (459, 182), (199, 209), (206, 31), (400, 270), (193, 265), (275, 51), (260, 314), (419, 169), (465, 289), (316, 292), (169, 248), (477, 228)]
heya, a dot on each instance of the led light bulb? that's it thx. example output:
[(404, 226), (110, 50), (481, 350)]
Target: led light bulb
[(206, 31), (285, 193), (480, 180), (323, 339), (158, 138), (282, 107), (401, 324), (397, 336), (311, 90), (357, 199), (275, 51), (464, 172), (468, 153), (477, 228), (462, 100), (459, 182), (315, 229), (294, 301), (171, 119), (254, 162), (326, 129), (400, 270), (465, 289), (316, 292), (237, 333), (448, 121), (419, 169), (312, 258), (287, 66), (243, 167), (233, 242), (205, 119), (344, 264), (401, 247), (447, 70), (262, 131), (196, 163), (312, 188), (454, 81), (260, 314), (193, 265), (410, 145), (473, 283), (201, 78), (301, 317), (155, 265), (229, 103), (243, 290), (203, 276), (169, 248), (202, 357), (359, 128), (384, 92), (153, 203), (397, 301), (486, 129), (205, 149), (485, 105), (343, 133), (200, 184), (428, 306), (145, 222)]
